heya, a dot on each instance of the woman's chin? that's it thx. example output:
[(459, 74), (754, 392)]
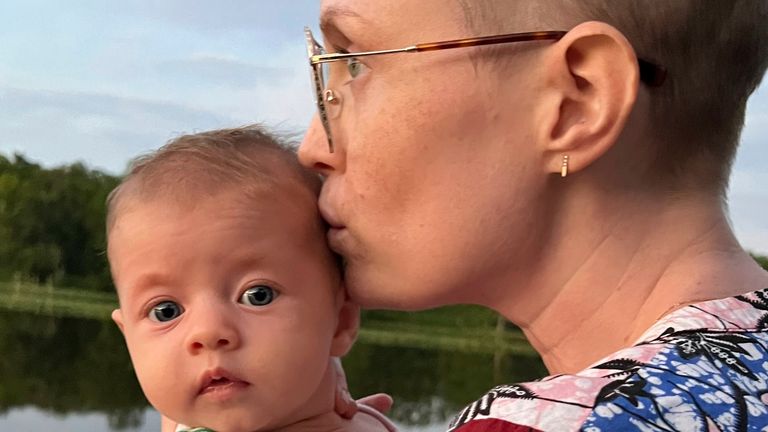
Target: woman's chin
[(374, 291)]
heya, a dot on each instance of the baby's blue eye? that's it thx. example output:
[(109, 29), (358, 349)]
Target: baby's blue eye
[(165, 311), (259, 295)]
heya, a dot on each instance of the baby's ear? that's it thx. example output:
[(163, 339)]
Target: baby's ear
[(346, 329), (117, 317)]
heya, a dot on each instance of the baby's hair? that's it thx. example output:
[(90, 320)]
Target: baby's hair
[(247, 159)]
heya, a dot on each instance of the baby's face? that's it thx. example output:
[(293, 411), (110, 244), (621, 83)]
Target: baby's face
[(229, 313)]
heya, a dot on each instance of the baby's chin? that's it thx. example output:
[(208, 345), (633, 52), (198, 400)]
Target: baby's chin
[(242, 422), (263, 422), (231, 424)]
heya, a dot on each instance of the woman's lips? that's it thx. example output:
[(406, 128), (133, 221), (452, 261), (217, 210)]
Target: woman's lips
[(330, 217), (336, 238), (337, 231)]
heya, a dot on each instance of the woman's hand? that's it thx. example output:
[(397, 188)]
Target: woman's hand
[(346, 406)]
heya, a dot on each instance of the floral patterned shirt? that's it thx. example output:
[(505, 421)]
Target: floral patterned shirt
[(701, 368)]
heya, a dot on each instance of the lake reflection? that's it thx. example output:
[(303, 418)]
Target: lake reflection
[(72, 374)]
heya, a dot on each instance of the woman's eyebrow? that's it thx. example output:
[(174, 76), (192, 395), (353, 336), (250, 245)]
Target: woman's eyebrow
[(332, 14), (330, 24)]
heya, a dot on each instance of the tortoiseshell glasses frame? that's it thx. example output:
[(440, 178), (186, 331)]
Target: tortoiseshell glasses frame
[(650, 73)]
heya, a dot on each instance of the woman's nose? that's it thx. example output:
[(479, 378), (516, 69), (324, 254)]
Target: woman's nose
[(314, 152)]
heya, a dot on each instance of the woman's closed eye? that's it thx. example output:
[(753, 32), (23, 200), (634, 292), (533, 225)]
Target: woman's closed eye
[(165, 311), (258, 296), (355, 67)]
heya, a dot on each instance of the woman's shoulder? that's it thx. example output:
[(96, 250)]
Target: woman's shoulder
[(702, 366)]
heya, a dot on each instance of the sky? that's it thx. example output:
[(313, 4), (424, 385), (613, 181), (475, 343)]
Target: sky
[(103, 82)]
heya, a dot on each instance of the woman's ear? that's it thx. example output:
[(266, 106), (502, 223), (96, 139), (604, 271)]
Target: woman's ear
[(117, 317), (591, 88), (347, 327)]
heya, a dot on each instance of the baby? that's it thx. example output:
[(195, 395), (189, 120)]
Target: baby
[(231, 304)]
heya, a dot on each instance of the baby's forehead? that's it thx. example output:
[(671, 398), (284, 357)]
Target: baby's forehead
[(287, 214), (253, 202)]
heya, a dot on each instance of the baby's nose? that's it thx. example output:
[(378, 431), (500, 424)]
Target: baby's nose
[(212, 331)]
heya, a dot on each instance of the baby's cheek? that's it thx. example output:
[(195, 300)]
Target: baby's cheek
[(307, 360), (160, 377)]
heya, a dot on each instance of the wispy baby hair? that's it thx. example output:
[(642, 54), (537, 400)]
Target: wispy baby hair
[(247, 159)]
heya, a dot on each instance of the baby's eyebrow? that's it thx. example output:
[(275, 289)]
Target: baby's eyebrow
[(246, 260), (148, 280)]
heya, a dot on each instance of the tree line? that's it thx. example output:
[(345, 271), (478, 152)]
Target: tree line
[(52, 227), (52, 223)]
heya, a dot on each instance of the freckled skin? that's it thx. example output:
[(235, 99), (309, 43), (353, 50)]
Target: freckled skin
[(423, 176), (445, 185)]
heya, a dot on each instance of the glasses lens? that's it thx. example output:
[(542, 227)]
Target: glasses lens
[(325, 73), (321, 105), (319, 73)]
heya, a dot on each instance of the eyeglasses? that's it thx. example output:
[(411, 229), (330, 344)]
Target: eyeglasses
[(650, 73)]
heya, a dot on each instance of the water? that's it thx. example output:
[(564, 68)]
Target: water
[(74, 374)]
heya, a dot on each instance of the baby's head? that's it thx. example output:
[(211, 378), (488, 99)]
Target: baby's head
[(231, 303)]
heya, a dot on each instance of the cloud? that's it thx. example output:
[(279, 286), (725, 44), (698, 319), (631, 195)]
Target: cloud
[(215, 69), (121, 78), (748, 194), (105, 131), (749, 222), (753, 152), (748, 205), (277, 93), (274, 17)]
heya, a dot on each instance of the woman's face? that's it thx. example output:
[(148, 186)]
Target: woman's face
[(431, 191)]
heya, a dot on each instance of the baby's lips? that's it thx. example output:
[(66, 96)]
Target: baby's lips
[(211, 377)]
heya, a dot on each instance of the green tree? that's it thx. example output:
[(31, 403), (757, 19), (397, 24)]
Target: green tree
[(762, 260), (52, 223)]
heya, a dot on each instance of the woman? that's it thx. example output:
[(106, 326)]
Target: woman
[(565, 181)]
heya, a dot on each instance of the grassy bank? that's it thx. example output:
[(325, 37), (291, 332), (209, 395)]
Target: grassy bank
[(58, 302), (464, 329)]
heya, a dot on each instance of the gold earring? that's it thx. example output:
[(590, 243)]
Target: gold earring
[(564, 167), (330, 96)]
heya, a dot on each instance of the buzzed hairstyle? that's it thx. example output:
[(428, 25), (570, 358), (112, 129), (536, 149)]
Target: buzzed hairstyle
[(715, 51), (247, 159)]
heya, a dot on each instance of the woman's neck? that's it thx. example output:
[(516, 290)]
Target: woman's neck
[(607, 282)]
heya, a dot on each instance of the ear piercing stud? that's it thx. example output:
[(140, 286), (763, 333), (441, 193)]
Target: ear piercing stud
[(564, 167)]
